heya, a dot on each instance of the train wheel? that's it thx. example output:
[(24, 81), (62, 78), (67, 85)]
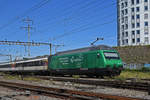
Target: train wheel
[(97, 76), (90, 76), (102, 77)]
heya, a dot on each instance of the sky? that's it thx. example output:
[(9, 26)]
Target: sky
[(73, 23)]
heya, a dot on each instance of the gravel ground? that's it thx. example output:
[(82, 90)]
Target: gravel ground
[(9, 94), (87, 88)]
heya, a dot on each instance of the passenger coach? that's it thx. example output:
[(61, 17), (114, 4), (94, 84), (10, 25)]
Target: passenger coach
[(28, 65)]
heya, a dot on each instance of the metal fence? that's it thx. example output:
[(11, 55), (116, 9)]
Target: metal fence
[(135, 66)]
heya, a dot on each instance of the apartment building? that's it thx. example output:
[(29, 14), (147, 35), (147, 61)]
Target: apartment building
[(133, 18)]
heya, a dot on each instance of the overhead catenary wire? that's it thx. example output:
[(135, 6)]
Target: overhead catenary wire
[(81, 21), (64, 10), (85, 27), (82, 28), (28, 11), (75, 16), (35, 7), (83, 9), (67, 11), (83, 6)]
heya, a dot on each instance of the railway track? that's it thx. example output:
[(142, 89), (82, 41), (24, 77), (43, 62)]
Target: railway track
[(133, 79), (144, 86), (140, 86), (63, 93)]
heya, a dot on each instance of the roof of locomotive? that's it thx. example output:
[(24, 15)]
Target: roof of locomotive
[(92, 48)]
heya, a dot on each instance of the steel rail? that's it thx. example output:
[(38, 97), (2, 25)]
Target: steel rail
[(116, 84), (63, 93)]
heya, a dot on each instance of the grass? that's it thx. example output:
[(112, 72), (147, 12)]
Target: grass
[(18, 77), (11, 77), (133, 74), (31, 79)]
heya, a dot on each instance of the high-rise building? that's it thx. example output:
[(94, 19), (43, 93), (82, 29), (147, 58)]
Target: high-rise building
[(133, 22)]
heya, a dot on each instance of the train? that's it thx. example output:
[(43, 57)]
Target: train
[(92, 61)]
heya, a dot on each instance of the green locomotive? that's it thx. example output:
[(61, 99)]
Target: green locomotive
[(91, 61)]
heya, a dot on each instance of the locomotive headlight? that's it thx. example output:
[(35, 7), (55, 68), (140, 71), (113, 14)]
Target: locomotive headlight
[(119, 63), (98, 55)]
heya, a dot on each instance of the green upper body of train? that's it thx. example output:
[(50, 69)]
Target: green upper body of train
[(93, 61)]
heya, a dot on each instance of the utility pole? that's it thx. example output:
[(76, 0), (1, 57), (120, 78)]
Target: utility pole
[(97, 39), (28, 28), (50, 47)]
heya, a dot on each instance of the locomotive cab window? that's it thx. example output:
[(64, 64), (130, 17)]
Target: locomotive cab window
[(111, 55)]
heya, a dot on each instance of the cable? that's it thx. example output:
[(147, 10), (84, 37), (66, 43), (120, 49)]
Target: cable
[(67, 11), (81, 10), (37, 6), (41, 31), (83, 26), (64, 10), (82, 29)]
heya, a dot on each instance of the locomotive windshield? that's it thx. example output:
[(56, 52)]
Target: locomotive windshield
[(111, 55)]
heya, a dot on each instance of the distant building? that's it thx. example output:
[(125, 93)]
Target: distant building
[(133, 22)]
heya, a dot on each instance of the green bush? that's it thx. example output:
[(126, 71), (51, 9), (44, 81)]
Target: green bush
[(145, 69)]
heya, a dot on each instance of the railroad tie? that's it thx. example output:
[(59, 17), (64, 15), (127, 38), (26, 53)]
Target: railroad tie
[(149, 89)]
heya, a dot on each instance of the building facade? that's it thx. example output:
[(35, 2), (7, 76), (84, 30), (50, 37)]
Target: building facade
[(133, 22)]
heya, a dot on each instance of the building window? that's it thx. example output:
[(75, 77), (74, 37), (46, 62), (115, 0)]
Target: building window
[(133, 25), (137, 16), (137, 9), (133, 32), (137, 24), (126, 4), (132, 17), (126, 19), (122, 27), (145, 16), (145, 0), (122, 20), (126, 34), (132, 2), (138, 32), (133, 40), (137, 1), (122, 12), (126, 11), (122, 5), (126, 26), (146, 31), (126, 41), (145, 23), (138, 40), (122, 42), (132, 9), (145, 8), (123, 34), (146, 40)]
